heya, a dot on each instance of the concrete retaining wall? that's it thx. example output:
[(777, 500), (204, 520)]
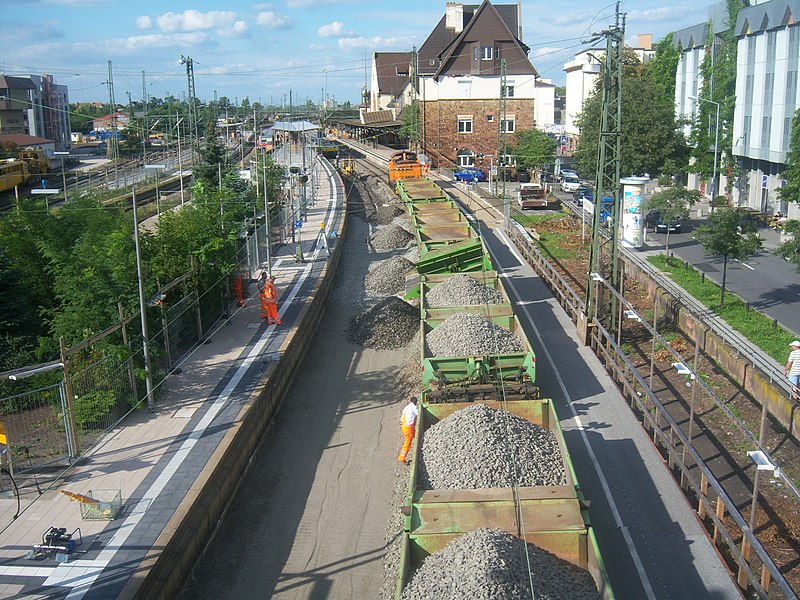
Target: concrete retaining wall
[(185, 538)]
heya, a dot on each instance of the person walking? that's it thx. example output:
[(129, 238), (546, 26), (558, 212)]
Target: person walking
[(269, 302), (792, 370), (408, 424)]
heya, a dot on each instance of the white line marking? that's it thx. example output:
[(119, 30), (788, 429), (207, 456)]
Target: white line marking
[(637, 561), (79, 575), (744, 264), (510, 245)]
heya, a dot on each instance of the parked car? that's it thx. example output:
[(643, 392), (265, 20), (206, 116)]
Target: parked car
[(570, 184), (523, 176), (583, 192), (469, 174), (656, 223), (569, 173)]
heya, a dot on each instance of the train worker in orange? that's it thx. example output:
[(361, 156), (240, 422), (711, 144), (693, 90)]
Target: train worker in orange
[(269, 302), (238, 288), (408, 424)]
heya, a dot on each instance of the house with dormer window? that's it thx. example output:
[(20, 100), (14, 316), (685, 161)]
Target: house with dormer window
[(460, 85)]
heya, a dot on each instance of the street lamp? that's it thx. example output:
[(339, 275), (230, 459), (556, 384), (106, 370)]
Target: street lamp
[(157, 168), (716, 147), (64, 156)]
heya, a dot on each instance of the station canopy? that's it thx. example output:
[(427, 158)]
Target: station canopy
[(294, 126)]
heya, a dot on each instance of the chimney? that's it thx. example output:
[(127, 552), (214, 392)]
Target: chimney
[(644, 41), (454, 16)]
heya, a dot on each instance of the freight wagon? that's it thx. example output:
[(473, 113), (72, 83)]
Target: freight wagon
[(552, 517)]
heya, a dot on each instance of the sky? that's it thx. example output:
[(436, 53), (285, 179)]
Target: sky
[(262, 51)]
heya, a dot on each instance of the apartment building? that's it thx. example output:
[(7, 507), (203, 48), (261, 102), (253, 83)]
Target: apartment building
[(48, 115)]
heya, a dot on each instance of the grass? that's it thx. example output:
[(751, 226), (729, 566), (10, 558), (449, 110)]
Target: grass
[(553, 243), (758, 328)]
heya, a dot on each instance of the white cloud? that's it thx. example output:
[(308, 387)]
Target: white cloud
[(239, 29), (335, 29), (273, 21), (159, 40), (539, 52), (193, 20), (315, 47), (144, 22), (295, 4), (362, 42)]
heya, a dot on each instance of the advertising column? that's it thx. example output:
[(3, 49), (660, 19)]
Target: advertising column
[(632, 219)]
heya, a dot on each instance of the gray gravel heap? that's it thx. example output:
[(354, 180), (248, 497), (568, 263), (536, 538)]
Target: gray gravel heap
[(388, 276), (404, 221), (491, 564), (390, 238), (464, 334), (482, 447), (462, 290), (388, 325)]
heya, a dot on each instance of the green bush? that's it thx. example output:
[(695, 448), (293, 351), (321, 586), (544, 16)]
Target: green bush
[(93, 408)]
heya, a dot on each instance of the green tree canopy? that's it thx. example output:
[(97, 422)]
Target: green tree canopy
[(722, 236), (533, 149), (791, 191), (651, 143), (673, 204)]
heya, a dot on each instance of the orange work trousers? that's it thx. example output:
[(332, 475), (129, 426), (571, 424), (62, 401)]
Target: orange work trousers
[(408, 438), (269, 311), (237, 290)]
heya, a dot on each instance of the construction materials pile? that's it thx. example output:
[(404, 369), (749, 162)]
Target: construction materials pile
[(391, 237), (388, 325), (404, 221), (464, 334), (388, 276), (462, 290), (493, 564), (482, 447)]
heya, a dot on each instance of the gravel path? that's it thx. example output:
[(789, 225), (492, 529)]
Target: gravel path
[(492, 564), (464, 334), (388, 325), (462, 290), (481, 447), (388, 277)]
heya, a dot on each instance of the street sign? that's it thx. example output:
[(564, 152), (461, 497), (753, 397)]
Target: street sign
[(764, 180), (493, 170), (298, 224)]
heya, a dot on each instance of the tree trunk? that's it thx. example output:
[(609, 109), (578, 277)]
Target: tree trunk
[(724, 276), (666, 246)]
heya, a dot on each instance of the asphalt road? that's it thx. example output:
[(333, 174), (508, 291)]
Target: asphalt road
[(768, 282)]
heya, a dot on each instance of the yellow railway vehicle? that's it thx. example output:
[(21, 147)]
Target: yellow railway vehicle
[(404, 165), (13, 172)]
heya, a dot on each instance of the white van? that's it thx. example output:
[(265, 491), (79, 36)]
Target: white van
[(570, 184)]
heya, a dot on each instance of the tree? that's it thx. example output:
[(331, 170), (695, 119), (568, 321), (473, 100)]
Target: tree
[(663, 67), (791, 191), (722, 236), (409, 130), (790, 250), (722, 72), (533, 149), (673, 204), (651, 143)]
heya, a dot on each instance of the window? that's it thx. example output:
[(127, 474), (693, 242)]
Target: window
[(465, 158), (465, 124), (507, 91), (474, 53), (490, 118), (507, 126), (486, 53)]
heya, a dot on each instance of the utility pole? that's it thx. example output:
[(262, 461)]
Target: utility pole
[(603, 258), (415, 138), (113, 149), (146, 132), (194, 138), (502, 146)]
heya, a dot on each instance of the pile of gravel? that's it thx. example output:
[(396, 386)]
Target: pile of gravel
[(404, 221), (491, 564), (387, 213), (388, 325), (388, 276), (464, 334), (462, 290), (390, 238), (481, 447)]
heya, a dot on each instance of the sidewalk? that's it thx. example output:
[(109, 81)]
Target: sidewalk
[(154, 460)]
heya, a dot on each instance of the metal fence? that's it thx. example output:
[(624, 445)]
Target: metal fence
[(755, 566)]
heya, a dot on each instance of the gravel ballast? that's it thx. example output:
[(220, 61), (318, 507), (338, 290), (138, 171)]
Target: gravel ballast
[(388, 325), (464, 334), (388, 276), (482, 447), (462, 290), (391, 237), (492, 564)]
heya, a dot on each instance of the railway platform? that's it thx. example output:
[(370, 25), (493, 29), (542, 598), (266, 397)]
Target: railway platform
[(172, 468)]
